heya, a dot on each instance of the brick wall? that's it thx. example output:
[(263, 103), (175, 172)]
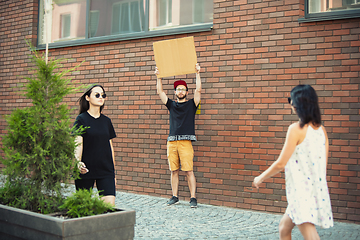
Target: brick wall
[(17, 23), (255, 54)]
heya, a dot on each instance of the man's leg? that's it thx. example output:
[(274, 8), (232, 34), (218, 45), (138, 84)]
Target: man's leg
[(186, 153), (174, 179), (175, 182), (191, 183), (174, 165)]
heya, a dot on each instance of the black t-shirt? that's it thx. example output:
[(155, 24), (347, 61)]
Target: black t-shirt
[(182, 120), (96, 152)]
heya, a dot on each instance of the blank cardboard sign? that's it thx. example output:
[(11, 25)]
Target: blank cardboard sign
[(175, 57)]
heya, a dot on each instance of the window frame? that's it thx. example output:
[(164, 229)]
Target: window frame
[(122, 37), (324, 16)]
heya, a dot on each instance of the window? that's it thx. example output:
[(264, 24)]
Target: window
[(65, 25), (317, 6), (127, 17), (177, 13), (78, 22), (164, 8), (199, 11), (319, 10), (93, 23)]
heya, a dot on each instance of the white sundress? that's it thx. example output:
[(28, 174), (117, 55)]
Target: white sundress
[(306, 186)]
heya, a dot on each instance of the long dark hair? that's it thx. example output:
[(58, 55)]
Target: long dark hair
[(84, 104), (305, 100)]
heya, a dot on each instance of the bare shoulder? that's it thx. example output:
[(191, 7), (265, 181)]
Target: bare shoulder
[(295, 127), (297, 132), (324, 130)]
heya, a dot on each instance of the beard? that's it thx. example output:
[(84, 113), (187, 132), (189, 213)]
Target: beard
[(181, 98)]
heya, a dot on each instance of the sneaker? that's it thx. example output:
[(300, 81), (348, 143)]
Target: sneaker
[(173, 200), (193, 202)]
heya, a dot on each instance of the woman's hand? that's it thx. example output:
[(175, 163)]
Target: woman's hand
[(257, 181), (82, 168)]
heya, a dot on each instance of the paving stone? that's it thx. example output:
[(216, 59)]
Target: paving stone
[(156, 220)]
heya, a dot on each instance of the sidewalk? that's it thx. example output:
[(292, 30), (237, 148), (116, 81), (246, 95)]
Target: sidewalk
[(156, 220)]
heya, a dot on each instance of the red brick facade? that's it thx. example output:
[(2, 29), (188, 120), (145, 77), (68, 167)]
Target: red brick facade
[(255, 54)]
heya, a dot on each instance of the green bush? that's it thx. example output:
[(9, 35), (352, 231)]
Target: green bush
[(40, 142), (85, 203)]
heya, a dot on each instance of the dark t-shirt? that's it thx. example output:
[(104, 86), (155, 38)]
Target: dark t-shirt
[(96, 153), (182, 120)]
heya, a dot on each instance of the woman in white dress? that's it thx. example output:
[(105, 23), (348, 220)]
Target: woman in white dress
[(304, 157)]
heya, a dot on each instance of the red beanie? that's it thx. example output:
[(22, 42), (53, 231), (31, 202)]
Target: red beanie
[(180, 82)]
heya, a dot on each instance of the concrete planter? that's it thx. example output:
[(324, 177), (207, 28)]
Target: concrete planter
[(21, 224)]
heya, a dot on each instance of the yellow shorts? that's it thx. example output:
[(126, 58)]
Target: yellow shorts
[(180, 152)]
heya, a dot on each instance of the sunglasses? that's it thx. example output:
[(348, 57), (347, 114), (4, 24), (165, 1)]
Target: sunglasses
[(181, 90), (97, 95)]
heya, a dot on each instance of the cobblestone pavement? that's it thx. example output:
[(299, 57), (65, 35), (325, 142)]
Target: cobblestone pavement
[(156, 220)]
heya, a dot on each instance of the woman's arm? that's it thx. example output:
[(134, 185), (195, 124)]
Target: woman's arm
[(292, 139), (113, 156), (112, 151), (326, 145), (78, 154)]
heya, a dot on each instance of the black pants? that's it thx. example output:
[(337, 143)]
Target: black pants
[(105, 186)]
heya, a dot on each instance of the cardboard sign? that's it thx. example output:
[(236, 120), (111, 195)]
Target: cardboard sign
[(175, 57)]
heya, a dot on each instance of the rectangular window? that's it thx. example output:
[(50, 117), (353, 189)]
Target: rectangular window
[(317, 6), (77, 22), (93, 23), (320, 10), (65, 25), (127, 17), (199, 11), (177, 13), (164, 12), (66, 21)]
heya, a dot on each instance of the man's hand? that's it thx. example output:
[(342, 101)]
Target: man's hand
[(156, 71), (197, 68)]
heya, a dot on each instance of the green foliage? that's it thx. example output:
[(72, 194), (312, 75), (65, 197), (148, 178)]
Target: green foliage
[(85, 203), (39, 145), (12, 194)]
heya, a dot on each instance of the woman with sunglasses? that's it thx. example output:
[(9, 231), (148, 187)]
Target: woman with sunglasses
[(95, 151), (304, 157)]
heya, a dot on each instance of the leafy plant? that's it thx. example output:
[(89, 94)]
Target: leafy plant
[(85, 203), (39, 145)]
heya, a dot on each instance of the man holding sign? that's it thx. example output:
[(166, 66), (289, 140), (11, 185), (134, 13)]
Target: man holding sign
[(182, 131)]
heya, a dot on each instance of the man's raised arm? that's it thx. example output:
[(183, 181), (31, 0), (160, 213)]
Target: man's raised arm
[(197, 94), (159, 88)]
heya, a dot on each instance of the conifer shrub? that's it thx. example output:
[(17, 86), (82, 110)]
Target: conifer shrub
[(40, 141)]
